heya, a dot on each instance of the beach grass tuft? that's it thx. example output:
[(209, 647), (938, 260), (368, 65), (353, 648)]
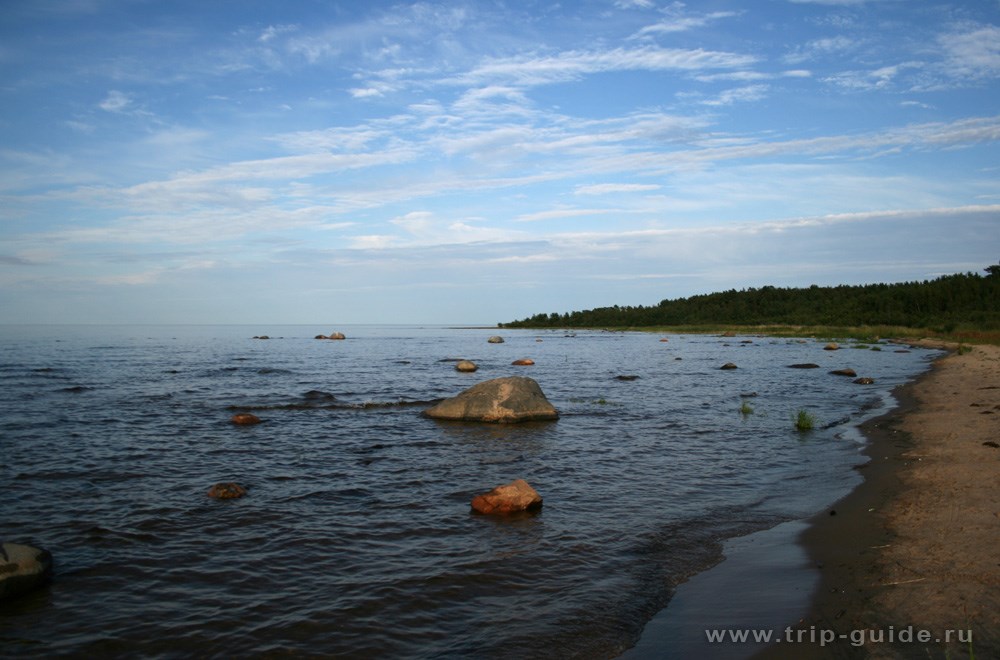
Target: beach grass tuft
[(804, 421)]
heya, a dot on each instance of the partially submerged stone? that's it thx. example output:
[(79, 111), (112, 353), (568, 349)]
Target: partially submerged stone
[(495, 339), (501, 400), (728, 365), (844, 372), (864, 380), (227, 491), (244, 419), (523, 362), (515, 497), (832, 346), (22, 568), (467, 366), (804, 365)]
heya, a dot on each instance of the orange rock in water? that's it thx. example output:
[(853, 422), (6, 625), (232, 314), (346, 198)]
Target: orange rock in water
[(227, 491), (244, 419), (514, 497), (524, 362)]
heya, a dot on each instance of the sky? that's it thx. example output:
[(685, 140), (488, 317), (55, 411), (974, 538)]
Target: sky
[(324, 162)]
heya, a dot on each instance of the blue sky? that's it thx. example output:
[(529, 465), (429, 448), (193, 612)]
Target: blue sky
[(474, 162)]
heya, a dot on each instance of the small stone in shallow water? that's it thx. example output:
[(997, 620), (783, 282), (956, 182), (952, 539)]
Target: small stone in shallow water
[(227, 491), (245, 419), (514, 497)]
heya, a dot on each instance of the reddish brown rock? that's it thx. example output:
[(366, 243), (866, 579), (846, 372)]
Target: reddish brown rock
[(523, 362), (514, 497), (832, 346), (844, 372), (227, 491), (245, 419)]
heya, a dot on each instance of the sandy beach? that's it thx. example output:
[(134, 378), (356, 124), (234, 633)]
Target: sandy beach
[(915, 547)]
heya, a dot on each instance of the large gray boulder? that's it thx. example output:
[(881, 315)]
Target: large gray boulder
[(22, 568), (501, 400)]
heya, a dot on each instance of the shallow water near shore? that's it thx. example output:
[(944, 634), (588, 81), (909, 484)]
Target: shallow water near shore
[(356, 539)]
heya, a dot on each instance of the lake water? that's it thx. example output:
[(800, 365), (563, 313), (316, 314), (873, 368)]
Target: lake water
[(356, 537)]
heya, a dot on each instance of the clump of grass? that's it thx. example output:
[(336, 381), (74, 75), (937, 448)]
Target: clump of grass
[(746, 409), (804, 421)]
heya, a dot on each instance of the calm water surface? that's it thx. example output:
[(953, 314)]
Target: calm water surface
[(356, 538)]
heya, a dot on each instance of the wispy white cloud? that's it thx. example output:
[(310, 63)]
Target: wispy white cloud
[(738, 95), (115, 101), (560, 214), (569, 65), (679, 21), (611, 188), (973, 52)]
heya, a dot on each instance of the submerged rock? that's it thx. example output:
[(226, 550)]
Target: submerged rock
[(804, 365), (728, 365), (227, 491), (467, 366), (495, 339), (865, 381), (501, 400), (22, 568), (626, 377), (844, 372), (832, 346), (336, 335), (514, 497), (523, 362), (245, 419)]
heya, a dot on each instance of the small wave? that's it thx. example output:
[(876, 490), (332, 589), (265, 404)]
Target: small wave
[(363, 405)]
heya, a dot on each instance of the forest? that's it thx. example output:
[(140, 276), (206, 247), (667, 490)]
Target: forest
[(964, 301)]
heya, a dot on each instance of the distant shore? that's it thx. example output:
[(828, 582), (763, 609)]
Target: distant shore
[(914, 547)]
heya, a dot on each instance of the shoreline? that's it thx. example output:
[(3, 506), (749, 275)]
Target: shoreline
[(914, 545)]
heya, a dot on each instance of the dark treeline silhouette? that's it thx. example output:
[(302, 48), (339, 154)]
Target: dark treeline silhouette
[(966, 300)]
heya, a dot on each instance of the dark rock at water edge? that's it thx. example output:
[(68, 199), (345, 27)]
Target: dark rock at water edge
[(728, 365), (501, 400), (804, 365)]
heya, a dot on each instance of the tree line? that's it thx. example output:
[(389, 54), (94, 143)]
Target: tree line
[(964, 300)]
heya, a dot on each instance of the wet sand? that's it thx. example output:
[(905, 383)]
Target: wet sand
[(916, 547)]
